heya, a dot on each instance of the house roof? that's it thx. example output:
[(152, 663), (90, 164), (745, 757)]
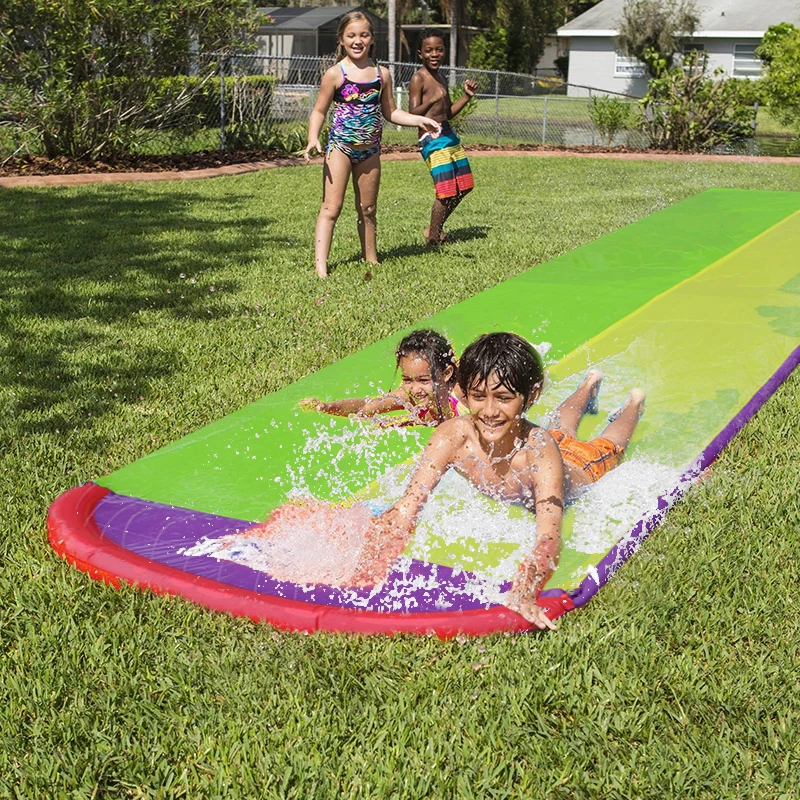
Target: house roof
[(309, 18), (718, 18)]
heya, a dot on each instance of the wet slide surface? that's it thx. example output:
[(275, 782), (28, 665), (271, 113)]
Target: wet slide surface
[(699, 304)]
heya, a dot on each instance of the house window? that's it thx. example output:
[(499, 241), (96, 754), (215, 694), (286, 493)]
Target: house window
[(745, 62), (693, 47), (627, 67)]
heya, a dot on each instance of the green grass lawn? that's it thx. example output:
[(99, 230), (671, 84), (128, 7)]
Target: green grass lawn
[(133, 314)]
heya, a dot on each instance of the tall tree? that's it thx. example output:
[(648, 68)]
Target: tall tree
[(652, 30), (780, 52)]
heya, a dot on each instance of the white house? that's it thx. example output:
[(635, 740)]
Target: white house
[(729, 31)]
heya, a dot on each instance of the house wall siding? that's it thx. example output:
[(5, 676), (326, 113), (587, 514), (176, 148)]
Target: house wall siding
[(592, 63)]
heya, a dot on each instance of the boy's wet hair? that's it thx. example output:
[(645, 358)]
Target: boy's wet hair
[(511, 358), (344, 21), (431, 33), (435, 349)]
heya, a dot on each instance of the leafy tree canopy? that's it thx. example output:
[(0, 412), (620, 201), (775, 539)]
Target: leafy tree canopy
[(651, 30), (780, 52)]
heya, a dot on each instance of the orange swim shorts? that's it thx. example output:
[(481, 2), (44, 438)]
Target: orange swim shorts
[(595, 458)]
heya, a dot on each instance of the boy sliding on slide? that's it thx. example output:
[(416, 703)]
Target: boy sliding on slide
[(508, 458)]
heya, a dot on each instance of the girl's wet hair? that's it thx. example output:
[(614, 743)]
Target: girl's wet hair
[(511, 358), (437, 351), (353, 16)]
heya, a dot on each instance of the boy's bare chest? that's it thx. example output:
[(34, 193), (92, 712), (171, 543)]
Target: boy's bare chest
[(509, 480), (436, 90)]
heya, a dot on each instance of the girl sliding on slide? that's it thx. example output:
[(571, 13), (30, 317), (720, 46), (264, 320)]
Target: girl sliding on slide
[(427, 391)]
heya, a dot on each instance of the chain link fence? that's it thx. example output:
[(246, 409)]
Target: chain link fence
[(509, 108), (263, 103)]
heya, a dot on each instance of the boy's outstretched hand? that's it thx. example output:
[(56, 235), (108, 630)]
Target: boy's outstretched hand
[(386, 537), (522, 600), (470, 88)]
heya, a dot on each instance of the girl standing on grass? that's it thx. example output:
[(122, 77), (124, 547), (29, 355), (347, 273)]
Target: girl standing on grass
[(361, 92)]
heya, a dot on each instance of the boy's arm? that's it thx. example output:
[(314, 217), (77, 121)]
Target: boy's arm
[(537, 568), (388, 534), (400, 117), (470, 89)]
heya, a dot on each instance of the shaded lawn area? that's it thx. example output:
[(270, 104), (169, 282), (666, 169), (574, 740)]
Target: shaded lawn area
[(131, 315)]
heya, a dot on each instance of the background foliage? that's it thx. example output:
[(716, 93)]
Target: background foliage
[(83, 75)]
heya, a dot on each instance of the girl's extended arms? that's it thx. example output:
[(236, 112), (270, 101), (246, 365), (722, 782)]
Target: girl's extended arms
[(399, 117), (363, 406)]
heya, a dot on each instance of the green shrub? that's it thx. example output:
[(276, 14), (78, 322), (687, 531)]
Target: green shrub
[(612, 115), (688, 110)]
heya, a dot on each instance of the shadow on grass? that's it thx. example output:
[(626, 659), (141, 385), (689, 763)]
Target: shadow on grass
[(83, 273), (456, 235)]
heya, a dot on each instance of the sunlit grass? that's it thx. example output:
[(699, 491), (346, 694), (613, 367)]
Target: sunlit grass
[(131, 315)]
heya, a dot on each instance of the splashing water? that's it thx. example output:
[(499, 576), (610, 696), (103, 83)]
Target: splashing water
[(301, 543)]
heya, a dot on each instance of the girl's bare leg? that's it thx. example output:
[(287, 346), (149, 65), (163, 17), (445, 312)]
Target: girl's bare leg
[(366, 182), (335, 174), (621, 429), (569, 414)]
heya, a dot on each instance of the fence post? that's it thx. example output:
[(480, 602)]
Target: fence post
[(755, 125), (544, 121), (222, 103), (496, 105)]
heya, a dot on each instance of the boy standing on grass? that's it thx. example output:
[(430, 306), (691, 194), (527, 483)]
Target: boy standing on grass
[(508, 458), (444, 155)]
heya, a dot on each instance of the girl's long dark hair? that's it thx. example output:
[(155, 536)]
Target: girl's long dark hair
[(437, 351)]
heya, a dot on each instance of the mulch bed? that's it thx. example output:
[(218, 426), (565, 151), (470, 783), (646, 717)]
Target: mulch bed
[(38, 165)]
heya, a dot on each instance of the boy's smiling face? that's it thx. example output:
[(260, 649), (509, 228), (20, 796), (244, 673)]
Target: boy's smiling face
[(496, 410), (431, 52)]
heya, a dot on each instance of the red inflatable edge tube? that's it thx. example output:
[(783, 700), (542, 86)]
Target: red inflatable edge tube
[(76, 537)]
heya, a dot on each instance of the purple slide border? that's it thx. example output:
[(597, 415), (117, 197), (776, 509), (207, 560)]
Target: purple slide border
[(628, 545)]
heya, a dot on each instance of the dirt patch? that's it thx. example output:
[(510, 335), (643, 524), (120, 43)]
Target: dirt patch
[(38, 171), (206, 159)]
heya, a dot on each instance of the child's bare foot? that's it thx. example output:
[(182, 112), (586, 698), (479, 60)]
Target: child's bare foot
[(435, 241), (592, 382), (322, 272), (635, 399)]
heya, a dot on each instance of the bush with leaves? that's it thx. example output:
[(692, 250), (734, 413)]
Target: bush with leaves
[(780, 86), (687, 109), (612, 115), (489, 50), (80, 76)]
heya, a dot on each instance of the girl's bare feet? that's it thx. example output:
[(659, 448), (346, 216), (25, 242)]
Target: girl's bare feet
[(322, 272)]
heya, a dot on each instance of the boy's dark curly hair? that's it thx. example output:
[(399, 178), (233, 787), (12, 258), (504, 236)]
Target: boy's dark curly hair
[(512, 359)]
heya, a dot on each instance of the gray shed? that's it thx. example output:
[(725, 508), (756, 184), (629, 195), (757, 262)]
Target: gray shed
[(311, 31)]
